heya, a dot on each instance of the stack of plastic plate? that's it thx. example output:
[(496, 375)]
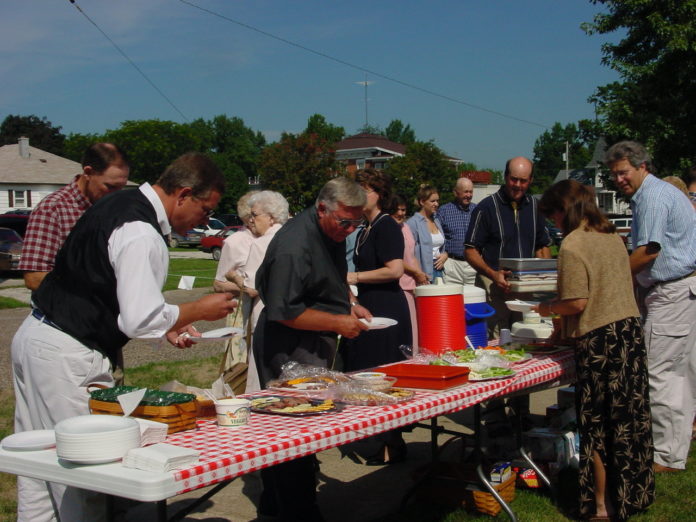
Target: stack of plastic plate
[(95, 439)]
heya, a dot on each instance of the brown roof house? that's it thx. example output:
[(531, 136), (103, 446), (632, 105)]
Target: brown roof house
[(28, 174), (364, 151)]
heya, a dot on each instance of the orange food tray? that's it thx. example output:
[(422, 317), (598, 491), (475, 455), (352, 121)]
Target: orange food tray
[(427, 376)]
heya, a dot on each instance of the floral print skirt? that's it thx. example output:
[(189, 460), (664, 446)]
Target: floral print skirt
[(613, 409)]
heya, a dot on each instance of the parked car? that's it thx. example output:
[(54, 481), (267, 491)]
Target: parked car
[(213, 244), (191, 239), (17, 222), (555, 233), (211, 228), (623, 228), (230, 220), (19, 212), (10, 249)]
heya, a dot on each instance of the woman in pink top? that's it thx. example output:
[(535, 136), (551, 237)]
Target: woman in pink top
[(268, 212), (413, 275)]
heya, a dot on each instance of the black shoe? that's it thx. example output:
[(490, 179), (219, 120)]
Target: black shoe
[(388, 454)]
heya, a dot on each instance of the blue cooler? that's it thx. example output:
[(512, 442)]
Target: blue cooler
[(477, 310)]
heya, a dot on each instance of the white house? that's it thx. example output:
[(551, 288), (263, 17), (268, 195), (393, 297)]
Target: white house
[(608, 200), (28, 174)]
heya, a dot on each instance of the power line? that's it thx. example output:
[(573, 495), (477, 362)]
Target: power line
[(363, 69), (130, 61)]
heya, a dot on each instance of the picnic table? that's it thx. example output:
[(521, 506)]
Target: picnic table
[(227, 453)]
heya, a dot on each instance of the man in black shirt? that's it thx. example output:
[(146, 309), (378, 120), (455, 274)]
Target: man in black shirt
[(302, 283)]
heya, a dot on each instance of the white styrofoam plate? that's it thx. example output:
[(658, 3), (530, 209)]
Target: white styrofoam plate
[(378, 323), (30, 440), (518, 305), (217, 334)]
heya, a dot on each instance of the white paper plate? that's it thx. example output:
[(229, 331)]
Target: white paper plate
[(30, 440), (517, 305), (217, 334), (95, 460), (378, 323)]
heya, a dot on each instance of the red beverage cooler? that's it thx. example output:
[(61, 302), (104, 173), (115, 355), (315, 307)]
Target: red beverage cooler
[(441, 325)]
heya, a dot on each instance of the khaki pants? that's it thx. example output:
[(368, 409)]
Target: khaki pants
[(52, 372), (670, 338), (459, 272)]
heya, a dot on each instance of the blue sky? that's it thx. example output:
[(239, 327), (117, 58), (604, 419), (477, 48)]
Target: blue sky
[(527, 59)]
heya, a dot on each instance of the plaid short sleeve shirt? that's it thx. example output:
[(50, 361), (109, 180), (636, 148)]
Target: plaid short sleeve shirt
[(49, 225)]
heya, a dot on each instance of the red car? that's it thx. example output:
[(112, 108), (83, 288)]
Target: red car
[(213, 244)]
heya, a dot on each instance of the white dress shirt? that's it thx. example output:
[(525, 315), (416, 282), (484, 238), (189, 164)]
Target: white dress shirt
[(140, 260)]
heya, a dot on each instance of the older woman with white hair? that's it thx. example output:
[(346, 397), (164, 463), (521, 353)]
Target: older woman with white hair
[(269, 211)]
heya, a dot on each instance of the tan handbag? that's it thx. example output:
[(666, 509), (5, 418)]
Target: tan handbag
[(234, 367)]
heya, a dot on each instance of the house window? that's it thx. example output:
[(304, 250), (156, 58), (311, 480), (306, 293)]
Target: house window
[(379, 164), (360, 163), (19, 198)]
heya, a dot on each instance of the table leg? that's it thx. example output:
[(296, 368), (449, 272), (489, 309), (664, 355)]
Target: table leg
[(523, 452), (162, 510)]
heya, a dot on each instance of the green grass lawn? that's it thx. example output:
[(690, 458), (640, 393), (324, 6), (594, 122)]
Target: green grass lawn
[(202, 269), (8, 302)]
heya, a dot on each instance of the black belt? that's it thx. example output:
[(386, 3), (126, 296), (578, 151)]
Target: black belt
[(38, 314), (456, 257)]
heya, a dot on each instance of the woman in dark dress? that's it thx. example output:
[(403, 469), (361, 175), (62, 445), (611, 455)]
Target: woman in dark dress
[(378, 257), (599, 314)]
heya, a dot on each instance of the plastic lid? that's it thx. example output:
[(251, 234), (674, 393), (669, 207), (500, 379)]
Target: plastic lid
[(434, 290), (472, 292)]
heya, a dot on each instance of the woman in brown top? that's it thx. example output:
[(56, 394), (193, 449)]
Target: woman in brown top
[(599, 313)]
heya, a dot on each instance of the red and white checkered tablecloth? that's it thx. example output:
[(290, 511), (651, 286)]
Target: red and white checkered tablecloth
[(270, 439)]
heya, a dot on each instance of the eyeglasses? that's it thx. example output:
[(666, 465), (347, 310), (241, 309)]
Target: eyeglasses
[(208, 212), (347, 223), (254, 215), (620, 173)]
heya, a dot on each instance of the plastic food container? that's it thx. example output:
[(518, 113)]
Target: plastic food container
[(427, 376), (232, 413), (527, 264)]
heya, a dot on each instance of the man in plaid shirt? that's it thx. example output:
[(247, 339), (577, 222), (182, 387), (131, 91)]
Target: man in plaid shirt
[(105, 169), (455, 218)]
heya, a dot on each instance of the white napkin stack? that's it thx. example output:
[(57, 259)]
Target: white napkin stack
[(160, 457), (152, 432)]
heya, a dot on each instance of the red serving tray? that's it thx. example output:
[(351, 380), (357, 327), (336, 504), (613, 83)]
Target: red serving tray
[(427, 376)]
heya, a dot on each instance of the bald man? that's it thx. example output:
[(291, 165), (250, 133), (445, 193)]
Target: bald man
[(455, 218), (505, 224)]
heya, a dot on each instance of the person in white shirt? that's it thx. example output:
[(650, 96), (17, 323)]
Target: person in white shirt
[(105, 289)]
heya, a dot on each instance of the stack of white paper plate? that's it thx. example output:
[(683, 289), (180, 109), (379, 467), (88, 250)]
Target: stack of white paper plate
[(95, 439)]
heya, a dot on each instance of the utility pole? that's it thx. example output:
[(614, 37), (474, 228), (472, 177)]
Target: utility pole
[(566, 157), (365, 84)]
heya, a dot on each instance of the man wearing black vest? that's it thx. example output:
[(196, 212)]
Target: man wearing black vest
[(105, 289)]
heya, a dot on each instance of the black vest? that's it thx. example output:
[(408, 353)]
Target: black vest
[(79, 294)]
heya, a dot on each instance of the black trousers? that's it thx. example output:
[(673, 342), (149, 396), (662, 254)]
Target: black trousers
[(289, 491)]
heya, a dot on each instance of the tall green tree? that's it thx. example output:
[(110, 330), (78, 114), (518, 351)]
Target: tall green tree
[(400, 133), (655, 101), (297, 166), (317, 124), (42, 133), (153, 144), (76, 144), (550, 148), (236, 149), (423, 163), (371, 129)]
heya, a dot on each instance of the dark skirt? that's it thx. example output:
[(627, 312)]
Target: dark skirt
[(376, 347), (614, 417)]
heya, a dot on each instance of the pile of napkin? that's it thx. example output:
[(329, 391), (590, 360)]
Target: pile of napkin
[(151, 432), (160, 457)]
